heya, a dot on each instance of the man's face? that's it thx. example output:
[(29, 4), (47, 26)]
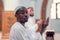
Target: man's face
[(30, 12), (22, 17)]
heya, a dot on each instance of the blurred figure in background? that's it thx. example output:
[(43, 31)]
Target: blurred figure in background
[(36, 27), (31, 20), (32, 25)]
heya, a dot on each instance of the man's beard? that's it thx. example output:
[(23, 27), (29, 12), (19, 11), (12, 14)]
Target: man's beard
[(31, 15), (23, 20)]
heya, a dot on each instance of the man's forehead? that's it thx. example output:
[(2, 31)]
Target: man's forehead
[(30, 9), (20, 8)]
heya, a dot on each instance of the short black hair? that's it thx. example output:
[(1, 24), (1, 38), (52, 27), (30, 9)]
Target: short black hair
[(21, 10)]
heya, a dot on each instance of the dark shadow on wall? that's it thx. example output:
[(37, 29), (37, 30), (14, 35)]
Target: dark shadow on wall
[(1, 8), (0, 21)]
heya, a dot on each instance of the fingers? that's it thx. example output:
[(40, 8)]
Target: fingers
[(39, 22), (47, 21)]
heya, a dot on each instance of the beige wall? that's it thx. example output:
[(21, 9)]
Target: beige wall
[(8, 19)]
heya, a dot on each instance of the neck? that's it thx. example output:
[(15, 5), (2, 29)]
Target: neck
[(23, 24), (20, 22)]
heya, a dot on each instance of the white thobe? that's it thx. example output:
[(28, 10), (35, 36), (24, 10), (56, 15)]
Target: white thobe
[(19, 32), (32, 27)]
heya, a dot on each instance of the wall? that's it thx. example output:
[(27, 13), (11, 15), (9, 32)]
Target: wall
[(54, 24), (12, 4), (1, 8), (8, 19), (38, 6), (57, 36)]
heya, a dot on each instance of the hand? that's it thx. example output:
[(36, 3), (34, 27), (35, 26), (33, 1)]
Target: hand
[(44, 25), (39, 22)]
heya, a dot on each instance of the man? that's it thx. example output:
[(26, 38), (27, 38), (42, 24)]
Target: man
[(18, 30), (36, 28), (32, 26)]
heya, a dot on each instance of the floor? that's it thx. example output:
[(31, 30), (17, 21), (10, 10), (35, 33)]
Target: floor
[(6, 37)]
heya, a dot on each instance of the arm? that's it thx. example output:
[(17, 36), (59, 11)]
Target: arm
[(42, 25)]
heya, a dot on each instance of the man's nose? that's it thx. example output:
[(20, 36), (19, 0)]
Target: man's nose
[(26, 15)]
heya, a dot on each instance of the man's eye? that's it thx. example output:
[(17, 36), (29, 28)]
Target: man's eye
[(26, 12)]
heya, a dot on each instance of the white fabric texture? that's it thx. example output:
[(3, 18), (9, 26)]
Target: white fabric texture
[(19, 32), (31, 25)]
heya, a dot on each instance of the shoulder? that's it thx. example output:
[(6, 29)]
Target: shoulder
[(16, 26)]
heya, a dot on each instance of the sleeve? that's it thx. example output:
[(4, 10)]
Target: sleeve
[(40, 37), (33, 27), (37, 36), (15, 35)]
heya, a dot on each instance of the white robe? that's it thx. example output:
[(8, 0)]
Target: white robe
[(32, 27), (19, 32)]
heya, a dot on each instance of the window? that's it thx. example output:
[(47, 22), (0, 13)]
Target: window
[(55, 10), (58, 10)]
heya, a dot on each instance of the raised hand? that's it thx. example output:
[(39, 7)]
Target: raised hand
[(44, 25), (39, 23)]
